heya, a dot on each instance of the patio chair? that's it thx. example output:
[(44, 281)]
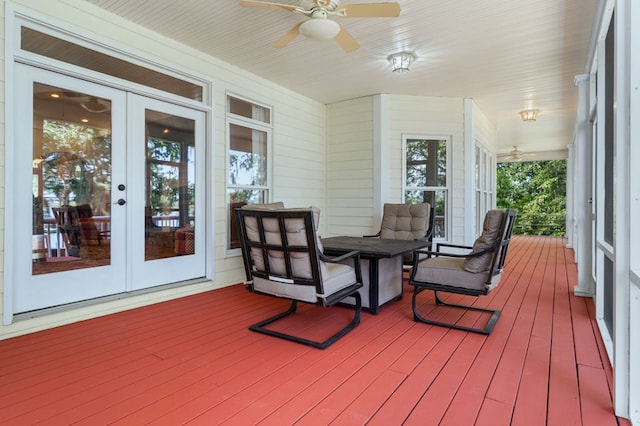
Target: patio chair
[(67, 223), (88, 229), (476, 273), (283, 258), (406, 222)]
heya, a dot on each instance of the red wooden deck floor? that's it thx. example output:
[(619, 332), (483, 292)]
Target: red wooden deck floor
[(193, 361)]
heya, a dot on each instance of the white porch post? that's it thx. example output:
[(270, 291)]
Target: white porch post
[(381, 163), (582, 190)]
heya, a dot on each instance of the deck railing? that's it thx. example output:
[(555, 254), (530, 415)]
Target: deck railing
[(541, 224)]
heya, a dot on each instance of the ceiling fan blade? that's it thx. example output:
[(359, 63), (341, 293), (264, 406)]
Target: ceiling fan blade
[(369, 10), (288, 36), (268, 5), (346, 41)]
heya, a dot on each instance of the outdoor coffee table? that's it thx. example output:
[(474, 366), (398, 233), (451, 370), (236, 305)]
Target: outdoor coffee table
[(381, 264)]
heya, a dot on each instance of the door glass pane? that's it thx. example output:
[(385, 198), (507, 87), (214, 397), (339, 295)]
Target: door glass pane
[(170, 186), (71, 180)]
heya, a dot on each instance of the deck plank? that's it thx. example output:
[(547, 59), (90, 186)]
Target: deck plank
[(193, 361)]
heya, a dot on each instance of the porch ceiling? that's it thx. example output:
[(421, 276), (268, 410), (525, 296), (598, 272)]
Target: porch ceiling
[(506, 55)]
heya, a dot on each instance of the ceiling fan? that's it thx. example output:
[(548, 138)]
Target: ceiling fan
[(515, 155), (319, 26), (87, 102)]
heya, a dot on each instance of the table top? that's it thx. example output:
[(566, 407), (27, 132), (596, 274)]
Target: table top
[(372, 247)]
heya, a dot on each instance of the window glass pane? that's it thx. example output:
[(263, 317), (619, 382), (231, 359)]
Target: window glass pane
[(237, 198), (71, 53), (247, 156), (438, 199), (248, 110), (478, 167), (426, 162)]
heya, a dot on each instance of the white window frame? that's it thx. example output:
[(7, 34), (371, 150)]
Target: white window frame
[(253, 124), (484, 183), (446, 189)]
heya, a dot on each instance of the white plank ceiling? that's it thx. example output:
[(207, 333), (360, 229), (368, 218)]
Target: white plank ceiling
[(507, 55)]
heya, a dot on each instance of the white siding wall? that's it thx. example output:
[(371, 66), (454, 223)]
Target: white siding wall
[(298, 142), (349, 177), (484, 130), (299, 153)]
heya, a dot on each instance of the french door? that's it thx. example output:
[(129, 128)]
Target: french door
[(105, 199), (166, 195)]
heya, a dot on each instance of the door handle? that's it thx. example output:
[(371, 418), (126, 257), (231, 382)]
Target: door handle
[(121, 202)]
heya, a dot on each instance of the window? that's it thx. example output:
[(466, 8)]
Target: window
[(248, 166), (72, 53), (484, 184), (425, 178)]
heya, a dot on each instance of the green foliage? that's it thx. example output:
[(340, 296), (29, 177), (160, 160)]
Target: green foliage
[(538, 191), (76, 165)]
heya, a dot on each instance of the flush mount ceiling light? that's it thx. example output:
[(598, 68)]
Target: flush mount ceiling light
[(400, 62), (529, 115)]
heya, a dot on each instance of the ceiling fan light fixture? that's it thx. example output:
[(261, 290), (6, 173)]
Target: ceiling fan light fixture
[(400, 62), (94, 105), (320, 29), (529, 115)]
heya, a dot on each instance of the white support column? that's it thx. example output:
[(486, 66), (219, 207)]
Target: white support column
[(469, 175), (582, 190), (634, 212), (622, 185), (381, 164)]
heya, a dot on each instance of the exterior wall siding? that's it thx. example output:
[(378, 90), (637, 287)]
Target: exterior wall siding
[(350, 167)]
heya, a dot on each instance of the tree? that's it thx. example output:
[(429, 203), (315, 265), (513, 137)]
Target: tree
[(538, 191), (76, 165)]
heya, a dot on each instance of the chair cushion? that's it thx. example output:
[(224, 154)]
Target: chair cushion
[(450, 271), (488, 238), (337, 277), (405, 221)]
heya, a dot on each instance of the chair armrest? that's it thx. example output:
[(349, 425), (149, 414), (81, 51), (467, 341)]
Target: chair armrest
[(355, 255), (340, 258), (439, 253), (438, 245), (372, 236)]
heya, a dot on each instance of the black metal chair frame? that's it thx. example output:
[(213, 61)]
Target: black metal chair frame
[(315, 257), (499, 251)]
